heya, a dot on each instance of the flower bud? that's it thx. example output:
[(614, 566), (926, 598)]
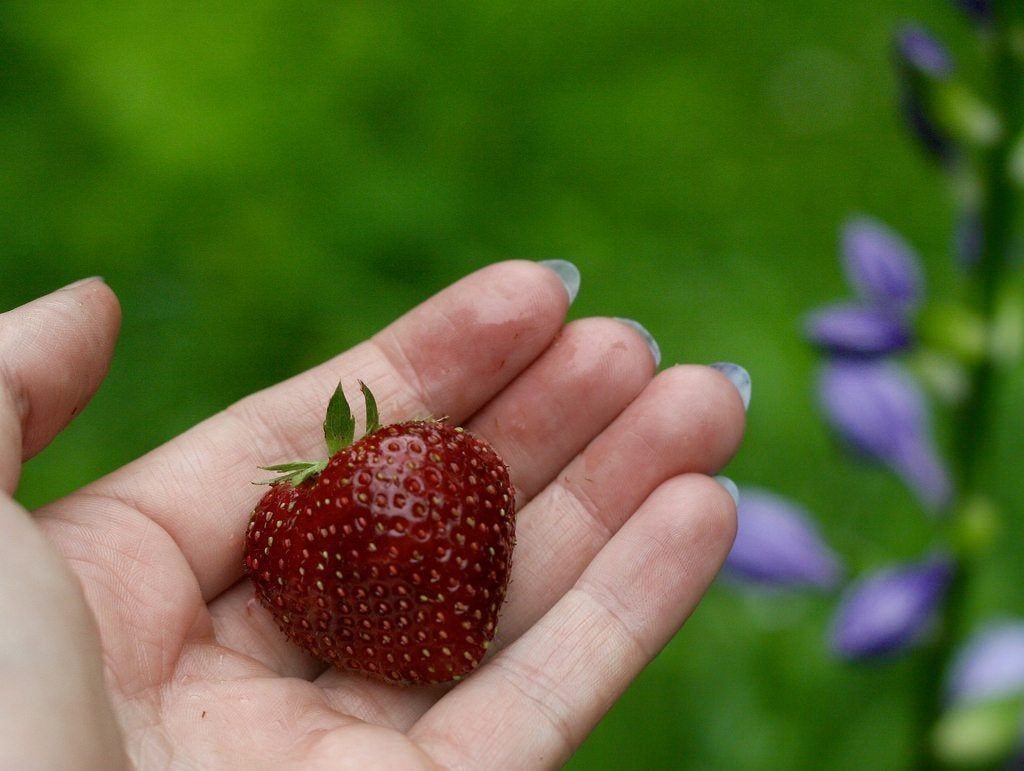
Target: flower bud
[(1006, 338), (920, 52), (880, 265), (857, 330), (954, 330), (890, 610), (965, 115), (990, 665), (981, 734), (980, 11), (778, 544), (968, 239), (919, 116), (878, 409), (1015, 163)]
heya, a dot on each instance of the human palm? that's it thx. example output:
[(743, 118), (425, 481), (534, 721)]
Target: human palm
[(170, 661)]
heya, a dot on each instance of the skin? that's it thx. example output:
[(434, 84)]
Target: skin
[(131, 637)]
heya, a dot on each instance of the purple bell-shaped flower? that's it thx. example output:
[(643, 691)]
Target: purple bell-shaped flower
[(778, 545), (889, 610), (917, 114), (990, 665), (980, 11), (879, 410), (920, 51), (850, 329), (880, 265), (922, 61)]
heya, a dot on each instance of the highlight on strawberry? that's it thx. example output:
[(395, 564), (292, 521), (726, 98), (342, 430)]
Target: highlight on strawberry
[(390, 558)]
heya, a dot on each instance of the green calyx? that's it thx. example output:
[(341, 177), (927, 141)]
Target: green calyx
[(339, 432)]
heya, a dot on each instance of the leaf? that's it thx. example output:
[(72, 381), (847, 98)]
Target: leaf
[(294, 477), (339, 426), (289, 466), (372, 419)]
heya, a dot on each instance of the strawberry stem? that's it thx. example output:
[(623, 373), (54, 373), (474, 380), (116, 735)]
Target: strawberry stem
[(339, 432)]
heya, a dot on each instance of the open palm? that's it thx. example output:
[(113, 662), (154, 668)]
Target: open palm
[(169, 661)]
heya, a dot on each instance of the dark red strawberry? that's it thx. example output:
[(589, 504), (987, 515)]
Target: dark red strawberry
[(392, 557)]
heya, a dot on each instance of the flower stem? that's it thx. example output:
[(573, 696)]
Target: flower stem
[(972, 437), (998, 219)]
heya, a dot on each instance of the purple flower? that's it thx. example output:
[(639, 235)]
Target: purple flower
[(921, 59), (990, 665), (979, 10), (857, 330), (778, 544), (879, 410), (889, 610), (922, 124), (919, 51), (880, 265)]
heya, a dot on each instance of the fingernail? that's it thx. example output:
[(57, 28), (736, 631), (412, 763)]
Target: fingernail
[(647, 336), (80, 282), (738, 376), (568, 273), (730, 487)]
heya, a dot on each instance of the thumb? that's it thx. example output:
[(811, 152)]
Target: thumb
[(54, 352), (54, 705)]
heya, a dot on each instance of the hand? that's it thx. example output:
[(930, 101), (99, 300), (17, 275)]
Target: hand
[(130, 634)]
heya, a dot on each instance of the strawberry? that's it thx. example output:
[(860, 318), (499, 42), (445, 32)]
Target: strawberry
[(392, 557)]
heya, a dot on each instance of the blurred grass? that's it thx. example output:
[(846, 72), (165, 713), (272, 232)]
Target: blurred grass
[(266, 183)]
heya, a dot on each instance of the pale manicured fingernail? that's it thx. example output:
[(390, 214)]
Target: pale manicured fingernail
[(738, 376), (81, 282), (647, 336), (568, 273), (730, 487)]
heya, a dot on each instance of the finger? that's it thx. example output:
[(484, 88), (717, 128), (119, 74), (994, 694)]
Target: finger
[(51, 673), (594, 369), (54, 352), (535, 702), (688, 419), (448, 356), (582, 381)]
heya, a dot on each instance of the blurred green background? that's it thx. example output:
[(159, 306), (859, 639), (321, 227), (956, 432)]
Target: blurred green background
[(266, 183)]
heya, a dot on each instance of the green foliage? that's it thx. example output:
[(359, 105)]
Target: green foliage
[(267, 183)]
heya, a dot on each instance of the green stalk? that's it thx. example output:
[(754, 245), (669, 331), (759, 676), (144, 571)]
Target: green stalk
[(972, 437), (998, 220)]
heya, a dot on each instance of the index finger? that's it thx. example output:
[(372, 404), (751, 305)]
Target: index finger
[(448, 356)]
